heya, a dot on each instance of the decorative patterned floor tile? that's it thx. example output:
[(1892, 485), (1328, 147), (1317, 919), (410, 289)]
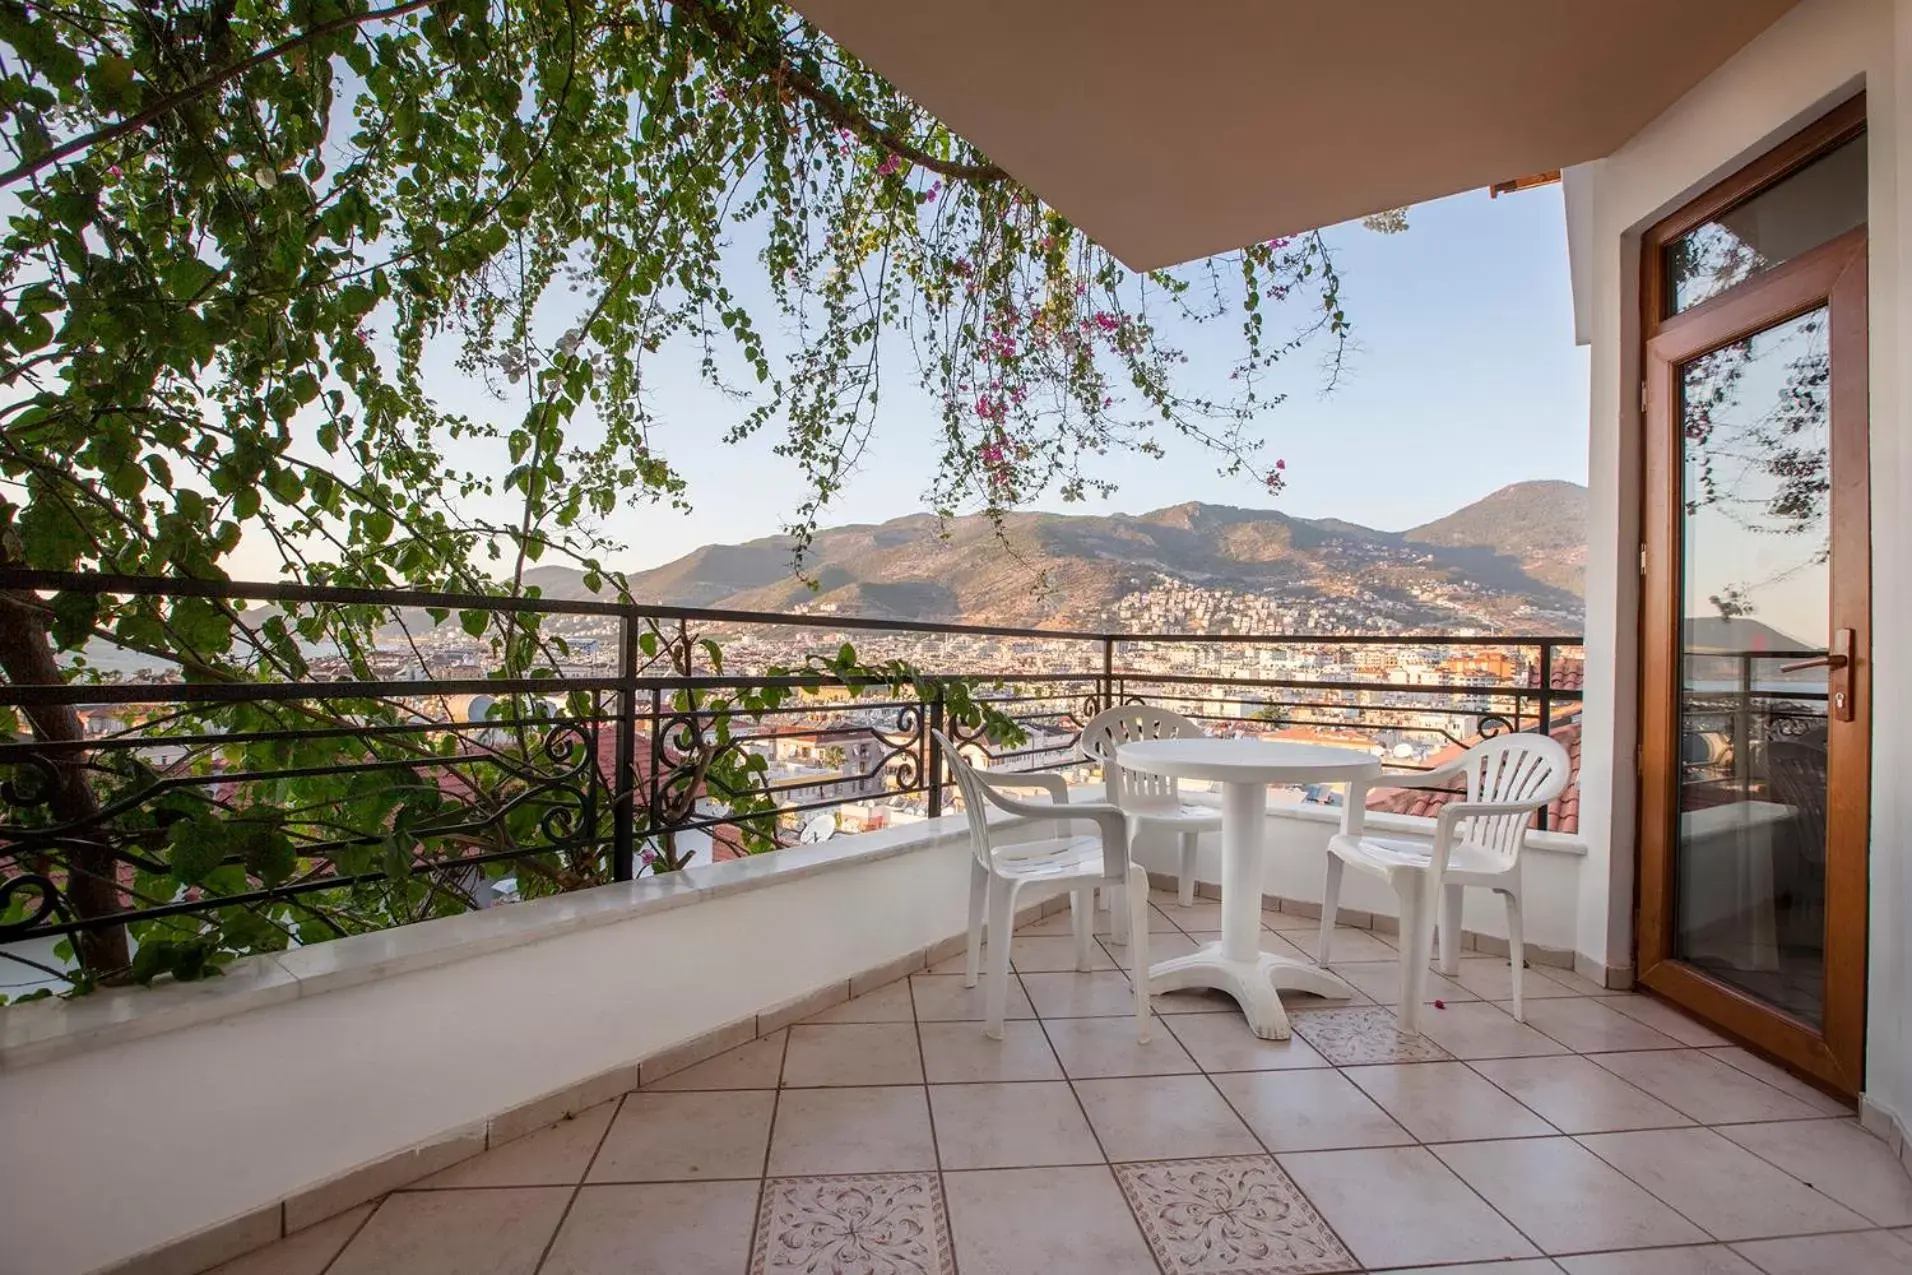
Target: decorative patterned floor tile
[(884, 1224), (1363, 1035), (1238, 1215)]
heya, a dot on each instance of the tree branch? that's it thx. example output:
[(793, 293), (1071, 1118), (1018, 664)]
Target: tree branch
[(192, 92), (829, 104)]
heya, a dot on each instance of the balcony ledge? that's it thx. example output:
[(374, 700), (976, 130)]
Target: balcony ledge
[(41, 1031)]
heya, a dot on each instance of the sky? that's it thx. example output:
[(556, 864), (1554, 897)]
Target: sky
[(1465, 379)]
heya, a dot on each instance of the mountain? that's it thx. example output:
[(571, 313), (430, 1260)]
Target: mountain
[(1508, 561), (1541, 525)]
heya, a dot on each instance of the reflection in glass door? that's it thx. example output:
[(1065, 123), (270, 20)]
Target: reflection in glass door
[(1749, 897), (1755, 605)]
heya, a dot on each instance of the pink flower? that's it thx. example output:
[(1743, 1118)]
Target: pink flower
[(889, 165), (1106, 321), (1281, 464), (114, 171), (1277, 244)]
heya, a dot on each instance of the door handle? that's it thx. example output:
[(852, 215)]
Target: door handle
[(1838, 661)]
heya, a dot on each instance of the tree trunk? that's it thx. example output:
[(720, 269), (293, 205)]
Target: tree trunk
[(26, 658)]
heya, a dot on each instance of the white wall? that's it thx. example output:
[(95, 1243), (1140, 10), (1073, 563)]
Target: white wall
[(1295, 860), (182, 1131), (1814, 57)]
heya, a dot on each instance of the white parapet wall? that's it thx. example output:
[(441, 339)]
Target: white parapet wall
[(1294, 865), (229, 1110), (212, 1117)]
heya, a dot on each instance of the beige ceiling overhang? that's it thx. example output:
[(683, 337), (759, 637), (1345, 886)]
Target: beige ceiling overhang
[(1170, 131)]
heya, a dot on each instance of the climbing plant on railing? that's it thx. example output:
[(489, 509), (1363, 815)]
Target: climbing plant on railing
[(251, 249)]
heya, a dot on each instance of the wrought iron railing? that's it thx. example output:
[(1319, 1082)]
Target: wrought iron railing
[(384, 785)]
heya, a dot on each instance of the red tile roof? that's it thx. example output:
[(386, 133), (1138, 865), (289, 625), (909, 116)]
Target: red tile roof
[(1563, 813)]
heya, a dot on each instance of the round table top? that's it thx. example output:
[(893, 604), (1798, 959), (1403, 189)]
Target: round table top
[(1247, 761)]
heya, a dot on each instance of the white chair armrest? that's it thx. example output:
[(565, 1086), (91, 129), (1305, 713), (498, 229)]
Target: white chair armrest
[(1055, 785), (1110, 823), (1355, 813), (1416, 778), (1455, 812)]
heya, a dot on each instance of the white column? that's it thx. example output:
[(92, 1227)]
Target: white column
[(1244, 814)]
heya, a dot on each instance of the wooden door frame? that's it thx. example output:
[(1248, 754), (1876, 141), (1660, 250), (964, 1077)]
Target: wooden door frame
[(1833, 275)]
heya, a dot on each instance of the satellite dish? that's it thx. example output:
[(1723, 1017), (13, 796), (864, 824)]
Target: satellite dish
[(821, 828), (480, 709)]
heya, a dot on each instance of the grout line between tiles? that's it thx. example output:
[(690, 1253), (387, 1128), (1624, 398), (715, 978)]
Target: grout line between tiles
[(544, 1254), (332, 1261), (770, 1140), (935, 1146)]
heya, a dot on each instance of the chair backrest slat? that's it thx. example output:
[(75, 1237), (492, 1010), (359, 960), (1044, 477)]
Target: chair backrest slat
[(1128, 724), (1520, 767), (975, 801)]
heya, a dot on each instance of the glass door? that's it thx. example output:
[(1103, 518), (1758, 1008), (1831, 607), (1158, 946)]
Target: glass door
[(1755, 751)]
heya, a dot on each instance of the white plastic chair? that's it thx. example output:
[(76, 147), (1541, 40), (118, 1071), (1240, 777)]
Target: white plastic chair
[(1000, 874), (1477, 842), (1149, 800)]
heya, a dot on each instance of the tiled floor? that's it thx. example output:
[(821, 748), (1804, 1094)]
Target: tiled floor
[(1607, 1136)]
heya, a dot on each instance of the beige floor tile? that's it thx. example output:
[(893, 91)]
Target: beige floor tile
[(1585, 1025), (1223, 1042), (1039, 954), (1158, 924), (668, 1137), (852, 1131), (852, 1054), (1839, 1159), (1267, 940), (1665, 1019), (1070, 1221), (1348, 945), (1531, 1266), (1225, 1216), (1867, 1253), (1102, 994), (1163, 1117), (1203, 914), (1724, 1188), (954, 1053), (456, 1233), (1575, 1096), (1446, 1102), (1314, 1110), (307, 1252), (1429, 1216), (557, 1156), (1565, 1198), (1380, 981), (1094, 1047), (949, 964), (889, 1003), (1047, 926), (1781, 1079), (1010, 1126), (1491, 978), (684, 1228), (1291, 923), (1481, 1029), (1162, 947), (1702, 1087), (1708, 1259), (891, 1222), (1571, 981), (1195, 1000), (753, 1066), (942, 998), (1363, 1035)]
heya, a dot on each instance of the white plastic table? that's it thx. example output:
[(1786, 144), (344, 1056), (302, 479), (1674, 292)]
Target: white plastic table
[(1245, 768)]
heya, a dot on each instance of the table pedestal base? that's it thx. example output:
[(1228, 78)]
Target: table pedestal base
[(1254, 984)]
